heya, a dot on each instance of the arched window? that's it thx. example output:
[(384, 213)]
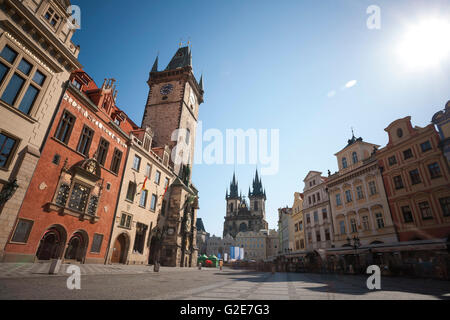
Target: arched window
[(355, 157), (344, 163)]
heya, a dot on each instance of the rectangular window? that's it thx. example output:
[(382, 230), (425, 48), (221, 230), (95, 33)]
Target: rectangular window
[(359, 192), (314, 198), (407, 214), (148, 170), (136, 163), (65, 127), (425, 210), (353, 225), (342, 227), (85, 141), (131, 192), (153, 202), (143, 200), (338, 200), (318, 197), (8, 54), (125, 220), (318, 238), (445, 206), (102, 151), (366, 224), (415, 176), (8, 146), (22, 231), (115, 163), (435, 170), (139, 241), (166, 183), (348, 196), (97, 243), (398, 182), (327, 235), (308, 219), (157, 177), (19, 82), (28, 99), (426, 146), (11, 92), (407, 154), (373, 188), (324, 214), (52, 17), (76, 84), (380, 220), (316, 217), (309, 237), (392, 161), (300, 226)]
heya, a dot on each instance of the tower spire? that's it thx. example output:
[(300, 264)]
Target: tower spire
[(155, 64)]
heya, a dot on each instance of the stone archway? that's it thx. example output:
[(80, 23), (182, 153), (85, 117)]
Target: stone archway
[(77, 247), (120, 249), (52, 243)]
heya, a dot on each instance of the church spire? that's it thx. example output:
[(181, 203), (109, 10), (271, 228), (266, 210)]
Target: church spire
[(234, 188), (155, 65), (181, 59), (201, 82)]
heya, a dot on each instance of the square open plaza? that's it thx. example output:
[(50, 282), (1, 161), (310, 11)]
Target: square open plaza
[(90, 196)]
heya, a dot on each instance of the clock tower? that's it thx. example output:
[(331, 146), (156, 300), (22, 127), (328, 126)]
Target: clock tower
[(173, 104)]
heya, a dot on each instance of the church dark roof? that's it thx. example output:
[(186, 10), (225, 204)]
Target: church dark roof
[(353, 140), (234, 189), (258, 190), (200, 226), (181, 59)]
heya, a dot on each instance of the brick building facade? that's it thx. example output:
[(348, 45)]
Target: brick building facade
[(68, 210)]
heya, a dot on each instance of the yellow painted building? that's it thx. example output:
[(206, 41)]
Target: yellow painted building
[(298, 229)]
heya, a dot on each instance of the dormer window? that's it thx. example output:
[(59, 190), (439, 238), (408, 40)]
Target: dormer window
[(117, 121), (52, 17), (344, 163), (355, 158), (77, 84)]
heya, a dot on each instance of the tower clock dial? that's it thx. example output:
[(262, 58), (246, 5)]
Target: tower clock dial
[(192, 98), (166, 89)]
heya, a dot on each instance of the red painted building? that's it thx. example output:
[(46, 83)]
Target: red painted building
[(417, 181), (69, 208)]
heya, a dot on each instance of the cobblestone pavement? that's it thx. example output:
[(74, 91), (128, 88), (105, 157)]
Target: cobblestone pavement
[(28, 270), (141, 283)]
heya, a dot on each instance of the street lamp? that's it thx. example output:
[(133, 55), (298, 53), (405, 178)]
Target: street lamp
[(356, 244)]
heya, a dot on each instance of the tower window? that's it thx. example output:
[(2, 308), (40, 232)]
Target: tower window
[(102, 151), (344, 163)]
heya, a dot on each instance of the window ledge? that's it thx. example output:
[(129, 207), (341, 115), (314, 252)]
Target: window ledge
[(18, 112)]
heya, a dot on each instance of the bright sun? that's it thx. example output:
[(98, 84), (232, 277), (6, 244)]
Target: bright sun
[(425, 44)]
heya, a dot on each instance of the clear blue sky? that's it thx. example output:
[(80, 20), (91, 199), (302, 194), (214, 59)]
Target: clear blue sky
[(271, 65)]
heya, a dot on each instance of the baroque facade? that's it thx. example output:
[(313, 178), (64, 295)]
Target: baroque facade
[(36, 59), (359, 203), (297, 222), (242, 216), (316, 211), (417, 181)]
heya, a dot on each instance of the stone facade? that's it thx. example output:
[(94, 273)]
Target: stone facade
[(285, 230), (202, 237), (358, 200), (172, 112), (142, 198), (417, 181), (29, 33), (297, 221), (218, 246), (442, 120), (316, 213)]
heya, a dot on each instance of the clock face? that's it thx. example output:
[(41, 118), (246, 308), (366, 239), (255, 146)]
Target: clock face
[(166, 89), (192, 98)]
